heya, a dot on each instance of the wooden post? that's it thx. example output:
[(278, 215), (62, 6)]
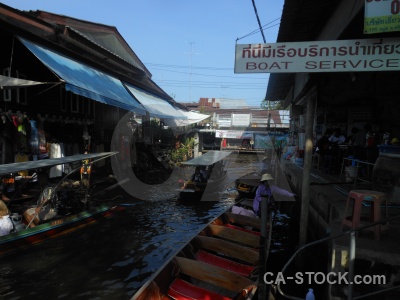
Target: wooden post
[(305, 190)]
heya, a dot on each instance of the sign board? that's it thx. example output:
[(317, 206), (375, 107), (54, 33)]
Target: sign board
[(241, 119), (381, 16), (234, 134), (319, 56)]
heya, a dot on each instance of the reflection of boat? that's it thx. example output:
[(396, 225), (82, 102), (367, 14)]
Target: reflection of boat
[(247, 185), (219, 262), (70, 200), (213, 166)]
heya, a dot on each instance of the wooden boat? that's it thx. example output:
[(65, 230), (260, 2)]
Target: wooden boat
[(70, 200), (247, 185), (212, 163), (219, 262)]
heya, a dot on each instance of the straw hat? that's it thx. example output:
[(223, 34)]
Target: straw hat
[(266, 177)]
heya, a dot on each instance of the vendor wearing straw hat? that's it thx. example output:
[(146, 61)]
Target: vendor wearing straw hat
[(267, 190)]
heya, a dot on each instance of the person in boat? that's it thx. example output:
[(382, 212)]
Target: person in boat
[(42, 212), (198, 176), (267, 190), (6, 224), (265, 165), (37, 215)]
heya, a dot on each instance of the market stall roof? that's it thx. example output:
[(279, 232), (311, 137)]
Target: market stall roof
[(46, 163), (84, 80), (156, 106), (300, 21), (191, 118), (13, 83), (207, 159)]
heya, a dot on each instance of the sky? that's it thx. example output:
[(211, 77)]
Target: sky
[(187, 45)]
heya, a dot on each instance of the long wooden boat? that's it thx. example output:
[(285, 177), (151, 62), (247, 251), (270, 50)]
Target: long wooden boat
[(212, 162), (220, 262), (72, 202), (247, 185)]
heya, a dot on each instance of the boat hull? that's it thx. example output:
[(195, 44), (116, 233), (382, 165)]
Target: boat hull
[(27, 237), (209, 191), (247, 185), (219, 262)]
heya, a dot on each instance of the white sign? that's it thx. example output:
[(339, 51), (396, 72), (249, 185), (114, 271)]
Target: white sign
[(319, 56), (234, 134), (241, 119), (381, 16)]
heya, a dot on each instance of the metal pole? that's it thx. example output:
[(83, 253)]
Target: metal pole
[(352, 257), (262, 289), (305, 190)]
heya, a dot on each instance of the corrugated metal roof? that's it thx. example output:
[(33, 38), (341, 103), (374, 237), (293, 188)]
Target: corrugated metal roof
[(302, 20)]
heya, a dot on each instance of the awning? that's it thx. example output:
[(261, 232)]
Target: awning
[(191, 118), (13, 83), (84, 80), (156, 106), (207, 159)]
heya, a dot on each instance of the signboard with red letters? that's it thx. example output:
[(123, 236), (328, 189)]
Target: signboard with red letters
[(319, 56)]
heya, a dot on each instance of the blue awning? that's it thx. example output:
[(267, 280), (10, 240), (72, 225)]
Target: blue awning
[(86, 81), (154, 105)]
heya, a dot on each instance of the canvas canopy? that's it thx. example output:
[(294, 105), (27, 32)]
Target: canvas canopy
[(207, 159), (13, 83)]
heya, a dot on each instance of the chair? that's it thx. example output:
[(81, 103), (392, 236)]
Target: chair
[(359, 197)]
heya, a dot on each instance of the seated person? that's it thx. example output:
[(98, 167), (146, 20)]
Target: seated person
[(205, 171), (6, 224), (198, 176), (36, 215), (43, 211), (337, 137)]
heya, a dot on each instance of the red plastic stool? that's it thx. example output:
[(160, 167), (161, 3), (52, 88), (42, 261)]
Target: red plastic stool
[(359, 196)]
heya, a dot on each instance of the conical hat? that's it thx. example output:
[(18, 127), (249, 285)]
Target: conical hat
[(266, 177)]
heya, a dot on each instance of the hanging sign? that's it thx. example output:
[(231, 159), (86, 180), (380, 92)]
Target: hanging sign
[(241, 119), (234, 134), (381, 16), (319, 56)]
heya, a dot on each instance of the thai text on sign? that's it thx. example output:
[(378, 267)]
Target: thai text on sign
[(319, 56), (381, 16)]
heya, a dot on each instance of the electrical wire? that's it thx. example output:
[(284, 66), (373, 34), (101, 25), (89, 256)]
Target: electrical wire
[(258, 20)]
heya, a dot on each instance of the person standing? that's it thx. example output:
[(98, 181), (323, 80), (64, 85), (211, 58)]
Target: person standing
[(267, 190)]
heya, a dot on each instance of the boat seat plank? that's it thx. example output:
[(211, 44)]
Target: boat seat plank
[(213, 275), (257, 233), (234, 235), (183, 290), (244, 220), (226, 264), (229, 249)]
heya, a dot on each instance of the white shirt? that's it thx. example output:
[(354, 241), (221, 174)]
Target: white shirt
[(339, 139), (6, 225)]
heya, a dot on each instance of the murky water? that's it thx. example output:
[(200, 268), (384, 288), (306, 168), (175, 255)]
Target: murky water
[(113, 258)]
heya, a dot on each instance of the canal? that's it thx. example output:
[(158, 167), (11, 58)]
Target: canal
[(113, 258)]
